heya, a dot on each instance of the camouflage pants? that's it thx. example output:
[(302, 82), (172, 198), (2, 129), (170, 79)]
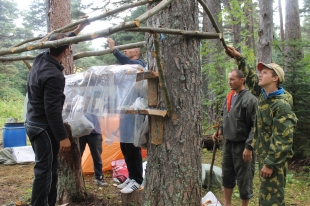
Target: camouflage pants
[(271, 191)]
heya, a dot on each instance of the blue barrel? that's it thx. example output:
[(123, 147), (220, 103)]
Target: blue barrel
[(14, 135)]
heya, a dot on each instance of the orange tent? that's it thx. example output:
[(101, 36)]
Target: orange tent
[(109, 152)]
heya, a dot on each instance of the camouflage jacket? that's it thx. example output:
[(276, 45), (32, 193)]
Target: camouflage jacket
[(274, 124)]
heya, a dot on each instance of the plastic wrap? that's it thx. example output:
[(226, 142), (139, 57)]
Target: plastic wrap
[(100, 93)]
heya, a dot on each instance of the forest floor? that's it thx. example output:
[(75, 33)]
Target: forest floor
[(16, 182)]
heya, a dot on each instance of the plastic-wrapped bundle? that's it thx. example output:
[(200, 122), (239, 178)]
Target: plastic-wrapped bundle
[(102, 91)]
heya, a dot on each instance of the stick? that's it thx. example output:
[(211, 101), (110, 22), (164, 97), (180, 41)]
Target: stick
[(162, 79), (206, 9), (213, 158), (202, 35)]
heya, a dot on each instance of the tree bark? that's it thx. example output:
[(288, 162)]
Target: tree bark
[(173, 174), (249, 25), (293, 50), (60, 15), (70, 185), (281, 25), (265, 32)]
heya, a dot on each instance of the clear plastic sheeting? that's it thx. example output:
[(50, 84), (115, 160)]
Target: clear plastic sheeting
[(98, 95)]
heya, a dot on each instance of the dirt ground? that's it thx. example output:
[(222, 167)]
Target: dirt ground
[(16, 182)]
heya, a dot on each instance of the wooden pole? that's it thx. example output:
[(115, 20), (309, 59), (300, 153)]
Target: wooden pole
[(202, 35), (206, 9)]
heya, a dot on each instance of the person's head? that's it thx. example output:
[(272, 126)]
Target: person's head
[(57, 51), (236, 80), (270, 75), (133, 53)]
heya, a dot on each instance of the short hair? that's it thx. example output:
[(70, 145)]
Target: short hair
[(239, 73), (56, 51)]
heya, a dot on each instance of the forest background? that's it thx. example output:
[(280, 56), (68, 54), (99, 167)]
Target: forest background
[(18, 24), (239, 21)]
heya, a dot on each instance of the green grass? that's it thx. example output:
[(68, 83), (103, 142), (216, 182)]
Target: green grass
[(8, 109), (297, 191)]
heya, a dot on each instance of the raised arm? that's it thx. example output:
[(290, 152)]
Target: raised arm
[(249, 72)]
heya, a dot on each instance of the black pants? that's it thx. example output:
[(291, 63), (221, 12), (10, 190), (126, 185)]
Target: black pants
[(45, 147), (133, 159), (94, 142)]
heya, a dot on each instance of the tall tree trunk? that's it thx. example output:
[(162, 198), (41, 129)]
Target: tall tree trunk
[(215, 52), (281, 25), (173, 174), (293, 51), (70, 185), (59, 15), (249, 25), (265, 32), (236, 25)]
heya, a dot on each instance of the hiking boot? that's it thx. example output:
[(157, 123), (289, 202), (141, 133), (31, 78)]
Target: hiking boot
[(101, 183), (124, 184), (132, 186)]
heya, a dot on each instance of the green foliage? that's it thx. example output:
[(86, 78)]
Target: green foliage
[(215, 87), (35, 17), (12, 83), (298, 84), (11, 108), (77, 9), (9, 32)]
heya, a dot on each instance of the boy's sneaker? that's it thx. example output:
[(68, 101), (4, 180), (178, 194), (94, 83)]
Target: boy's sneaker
[(101, 182), (124, 184), (132, 186)]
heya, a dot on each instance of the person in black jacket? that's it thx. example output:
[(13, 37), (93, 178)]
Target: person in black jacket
[(238, 166), (44, 124), (132, 154)]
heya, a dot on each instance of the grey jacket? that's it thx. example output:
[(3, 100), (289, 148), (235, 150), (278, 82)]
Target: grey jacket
[(237, 124)]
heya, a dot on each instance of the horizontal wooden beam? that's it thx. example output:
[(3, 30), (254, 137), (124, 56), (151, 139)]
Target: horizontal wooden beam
[(152, 112), (146, 75), (202, 35)]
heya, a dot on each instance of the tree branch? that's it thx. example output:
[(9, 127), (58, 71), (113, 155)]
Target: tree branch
[(16, 58), (28, 40), (162, 79), (70, 40), (78, 55), (27, 65), (206, 9), (73, 25), (202, 35), (106, 51), (160, 6)]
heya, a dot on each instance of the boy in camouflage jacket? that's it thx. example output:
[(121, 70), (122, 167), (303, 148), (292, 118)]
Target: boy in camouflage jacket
[(273, 127)]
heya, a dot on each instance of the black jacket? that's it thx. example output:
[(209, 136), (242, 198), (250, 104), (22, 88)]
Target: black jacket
[(238, 123), (45, 86)]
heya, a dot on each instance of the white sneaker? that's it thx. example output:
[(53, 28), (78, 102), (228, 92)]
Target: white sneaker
[(124, 184), (132, 186)]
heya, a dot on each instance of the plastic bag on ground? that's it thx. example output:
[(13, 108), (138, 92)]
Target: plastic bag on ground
[(210, 200), (120, 171), (216, 176)]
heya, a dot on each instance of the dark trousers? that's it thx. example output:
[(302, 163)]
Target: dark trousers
[(45, 147), (94, 142), (236, 171), (133, 159)]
